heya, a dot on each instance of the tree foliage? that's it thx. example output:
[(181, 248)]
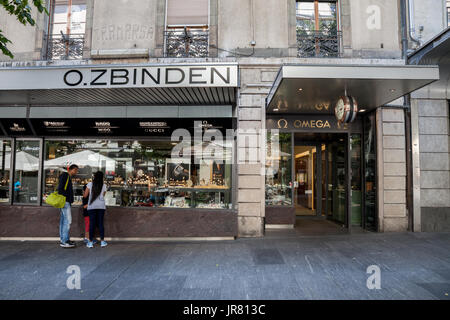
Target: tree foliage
[(21, 9)]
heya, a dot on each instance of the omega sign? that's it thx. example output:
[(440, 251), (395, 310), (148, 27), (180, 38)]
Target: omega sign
[(306, 123), (152, 76), (319, 124)]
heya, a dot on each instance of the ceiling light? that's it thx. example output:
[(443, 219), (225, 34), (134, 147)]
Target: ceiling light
[(392, 90), (275, 110), (362, 110), (300, 89)]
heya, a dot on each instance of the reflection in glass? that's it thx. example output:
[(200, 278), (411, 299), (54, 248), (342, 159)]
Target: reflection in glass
[(62, 17), (305, 180), (5, 169), (355, 145), (143, 173), (278, 169), (370, 173), (26, 169), (338, 189), (324, 179), (326, 19)]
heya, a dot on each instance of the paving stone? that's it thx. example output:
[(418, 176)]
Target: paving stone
[(267, 256), (308, 262)]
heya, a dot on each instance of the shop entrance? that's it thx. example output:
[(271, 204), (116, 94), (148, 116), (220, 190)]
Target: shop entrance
[(320, 176)]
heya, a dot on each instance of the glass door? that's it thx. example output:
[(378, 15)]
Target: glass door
[(370, 219), (305, 180), (336, 182)]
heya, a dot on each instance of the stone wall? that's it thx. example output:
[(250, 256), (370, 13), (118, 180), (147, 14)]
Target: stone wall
[(27, 40), (255, 84), (125, 29), (392, 170), (434, 162)]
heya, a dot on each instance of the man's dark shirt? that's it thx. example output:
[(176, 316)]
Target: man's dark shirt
[(68, 193)]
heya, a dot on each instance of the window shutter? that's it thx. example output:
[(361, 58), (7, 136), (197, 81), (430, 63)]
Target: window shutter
[(187, 12)]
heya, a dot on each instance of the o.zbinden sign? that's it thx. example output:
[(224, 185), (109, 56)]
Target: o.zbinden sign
[(211, 75)]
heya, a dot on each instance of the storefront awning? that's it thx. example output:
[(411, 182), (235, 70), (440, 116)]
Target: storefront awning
[(435, 51), (141, 84), (316, 88)]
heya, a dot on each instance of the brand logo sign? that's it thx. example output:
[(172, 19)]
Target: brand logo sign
[(319, 124), (306, 123), (214, 75)]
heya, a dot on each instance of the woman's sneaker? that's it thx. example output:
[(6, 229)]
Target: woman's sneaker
[(90, 244), (86, 240), (104, 243)]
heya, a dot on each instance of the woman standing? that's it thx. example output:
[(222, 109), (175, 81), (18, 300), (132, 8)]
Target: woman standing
[(96, 207)]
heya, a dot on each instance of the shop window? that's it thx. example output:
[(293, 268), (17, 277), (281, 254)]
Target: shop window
[(26, 171), (144, 173), (370, 173), (5, 169), (355, 153), (66, 29), (187, 32), (317, 28), (279, 169)]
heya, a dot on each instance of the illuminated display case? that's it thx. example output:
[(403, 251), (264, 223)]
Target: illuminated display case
[(143, 173)]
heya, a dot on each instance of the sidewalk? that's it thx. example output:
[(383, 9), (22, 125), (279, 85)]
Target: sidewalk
[(283, 265)]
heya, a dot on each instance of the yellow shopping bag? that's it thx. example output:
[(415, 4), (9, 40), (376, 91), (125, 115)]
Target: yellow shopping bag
[(57, 200)]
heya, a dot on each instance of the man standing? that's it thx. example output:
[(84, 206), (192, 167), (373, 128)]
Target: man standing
[(66, 214)]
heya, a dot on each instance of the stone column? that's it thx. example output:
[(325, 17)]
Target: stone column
[(346, 27), (88, 32), (250, 195), (433, 127), (160, 27), (392, 170)]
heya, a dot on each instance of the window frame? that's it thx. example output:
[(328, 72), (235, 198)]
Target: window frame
[(447, 7), (39, 177), (51, 36), (51, 21), (316, 11), (11, 161), (167, 27)]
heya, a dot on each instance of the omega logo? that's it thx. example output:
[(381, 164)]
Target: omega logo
[(315, 124), (284, 122), (311, 124)]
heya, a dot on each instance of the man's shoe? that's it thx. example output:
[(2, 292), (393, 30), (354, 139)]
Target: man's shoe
[(67, 245), (90, 244), (103, 243), (71, 242)]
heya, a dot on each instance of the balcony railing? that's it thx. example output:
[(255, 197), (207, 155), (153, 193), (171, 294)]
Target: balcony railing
[(61, 47), (186, 43), (318, 43)]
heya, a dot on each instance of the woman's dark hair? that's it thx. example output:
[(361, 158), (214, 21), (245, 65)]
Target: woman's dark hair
[(97, 185)]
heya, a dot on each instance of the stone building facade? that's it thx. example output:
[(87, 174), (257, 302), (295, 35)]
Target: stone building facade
[(260, 37)]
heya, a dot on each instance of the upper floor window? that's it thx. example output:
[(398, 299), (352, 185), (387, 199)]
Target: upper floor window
[(448, 13), (187, 33), (317, 28), (66, 29)]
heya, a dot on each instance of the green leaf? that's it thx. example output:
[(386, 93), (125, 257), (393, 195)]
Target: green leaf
[(23, 12)]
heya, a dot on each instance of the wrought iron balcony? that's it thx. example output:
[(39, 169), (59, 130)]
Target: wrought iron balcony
[(62, 47), (318, 43), (186, 43)]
